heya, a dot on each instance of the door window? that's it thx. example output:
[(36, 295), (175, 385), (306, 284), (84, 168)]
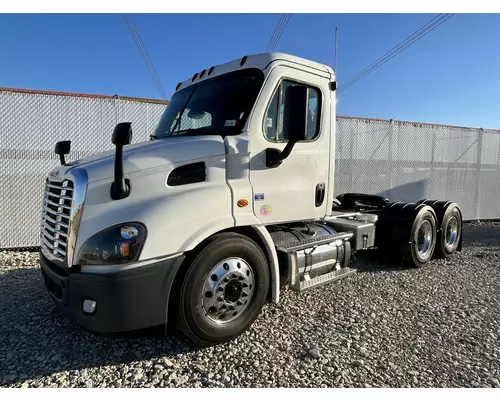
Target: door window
[(273, 121)]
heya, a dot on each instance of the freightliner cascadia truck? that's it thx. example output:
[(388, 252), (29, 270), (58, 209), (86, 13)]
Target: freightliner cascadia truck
[(230, 201)]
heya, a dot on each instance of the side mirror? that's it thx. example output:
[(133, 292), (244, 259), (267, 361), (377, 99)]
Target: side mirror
[(295, 113), (62, 148), (122, 135), (294, 124)]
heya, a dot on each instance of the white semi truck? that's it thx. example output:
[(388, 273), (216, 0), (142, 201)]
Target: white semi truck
[(230, 201)]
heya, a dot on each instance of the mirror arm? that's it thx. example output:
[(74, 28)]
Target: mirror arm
[(122, 135), (274, 157), (119, 188), (288, 149)]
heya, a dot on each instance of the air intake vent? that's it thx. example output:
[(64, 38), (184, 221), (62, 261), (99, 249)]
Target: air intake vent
[(191, 173)]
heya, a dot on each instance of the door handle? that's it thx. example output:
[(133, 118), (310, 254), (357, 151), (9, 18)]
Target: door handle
[(320, 194)]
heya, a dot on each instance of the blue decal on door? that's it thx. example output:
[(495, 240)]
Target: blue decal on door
[(259, 197)]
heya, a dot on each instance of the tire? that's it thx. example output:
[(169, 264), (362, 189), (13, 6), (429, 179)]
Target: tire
[(450, 232), (419, 249), (201, 314)]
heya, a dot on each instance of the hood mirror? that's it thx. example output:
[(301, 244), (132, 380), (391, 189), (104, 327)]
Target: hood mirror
[(62, 148)]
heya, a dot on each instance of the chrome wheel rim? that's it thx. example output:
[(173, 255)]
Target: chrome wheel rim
[(424, 238), (228, 290), (451, 232)]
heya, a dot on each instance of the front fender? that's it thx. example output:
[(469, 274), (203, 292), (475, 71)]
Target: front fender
[(176, 218)]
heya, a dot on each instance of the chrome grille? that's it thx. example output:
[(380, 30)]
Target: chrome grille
[(56, 217)]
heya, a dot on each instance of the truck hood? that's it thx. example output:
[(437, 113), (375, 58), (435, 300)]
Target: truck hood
[(151, 154)]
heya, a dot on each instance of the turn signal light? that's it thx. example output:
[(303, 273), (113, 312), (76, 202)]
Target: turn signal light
[(125, 249), (242, 203)]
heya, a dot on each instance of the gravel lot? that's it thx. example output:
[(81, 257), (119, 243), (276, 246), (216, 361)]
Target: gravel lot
[(382, 327)]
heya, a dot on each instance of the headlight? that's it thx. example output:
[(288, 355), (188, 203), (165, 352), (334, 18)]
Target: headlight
[(116, 245)]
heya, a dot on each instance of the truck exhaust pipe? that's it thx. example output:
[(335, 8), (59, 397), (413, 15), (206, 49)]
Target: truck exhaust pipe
[(122, 135)]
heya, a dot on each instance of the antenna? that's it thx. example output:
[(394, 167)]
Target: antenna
[(335, 62)]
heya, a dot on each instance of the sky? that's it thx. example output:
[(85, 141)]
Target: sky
[(450, 76)]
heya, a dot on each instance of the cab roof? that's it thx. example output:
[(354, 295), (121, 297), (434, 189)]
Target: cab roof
[(260, 61)]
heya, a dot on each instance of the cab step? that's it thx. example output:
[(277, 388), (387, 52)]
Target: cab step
[(321, 280)]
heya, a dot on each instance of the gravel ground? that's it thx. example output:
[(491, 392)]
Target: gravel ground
[(382, 327)]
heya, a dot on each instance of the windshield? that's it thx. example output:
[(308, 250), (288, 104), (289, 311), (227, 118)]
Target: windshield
[(217, 106)]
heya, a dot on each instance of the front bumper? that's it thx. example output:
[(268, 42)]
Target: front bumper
[(127, 301)]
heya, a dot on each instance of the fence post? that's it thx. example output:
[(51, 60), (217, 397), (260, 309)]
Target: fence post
[(351, 163), (478, 169), (498, 175), (389, 155), (433, 157), (117, 111)]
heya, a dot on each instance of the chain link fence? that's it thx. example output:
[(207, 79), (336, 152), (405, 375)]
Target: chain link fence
[(401, 160), (408, 161), (30, 125)]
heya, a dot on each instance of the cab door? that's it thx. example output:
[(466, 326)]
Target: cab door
[(296, 189)]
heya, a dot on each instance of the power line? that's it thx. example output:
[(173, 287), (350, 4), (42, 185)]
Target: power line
[(278, 31), (431, 25), (275, 31), (287, 18), (129, 20), (417, 35), (401, 46), (144, 53)]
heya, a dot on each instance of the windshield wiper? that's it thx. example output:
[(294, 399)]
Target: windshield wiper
[(189, 131), (183, 109)]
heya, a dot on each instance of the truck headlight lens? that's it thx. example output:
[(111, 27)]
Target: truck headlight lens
[(116, 245)]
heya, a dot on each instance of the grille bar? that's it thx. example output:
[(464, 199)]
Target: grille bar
[(60, 253), (58, 187), (50, 219), (54, 239), (57, 204), (55, 224), (57, 214), (63, 196)]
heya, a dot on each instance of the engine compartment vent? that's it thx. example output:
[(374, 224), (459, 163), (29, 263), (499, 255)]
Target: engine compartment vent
[(186, 174)]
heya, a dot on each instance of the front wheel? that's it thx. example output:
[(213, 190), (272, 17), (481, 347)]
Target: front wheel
[(223, 290)]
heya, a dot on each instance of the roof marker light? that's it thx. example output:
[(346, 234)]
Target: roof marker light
[(202, 73), (210, 71), (243, 61), (194, 77), (178, 86)]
